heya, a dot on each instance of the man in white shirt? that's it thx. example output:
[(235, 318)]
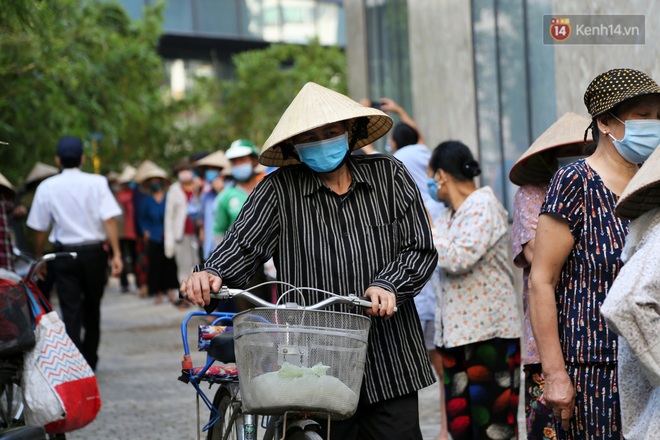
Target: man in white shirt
[(81, 210)]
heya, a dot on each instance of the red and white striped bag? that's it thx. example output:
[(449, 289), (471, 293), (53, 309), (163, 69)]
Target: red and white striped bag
[(59, 386)]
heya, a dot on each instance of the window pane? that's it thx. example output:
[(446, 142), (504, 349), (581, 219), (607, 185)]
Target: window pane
[(388, 51), (218, 16), (487, 93), (133, 8), (178, 16)]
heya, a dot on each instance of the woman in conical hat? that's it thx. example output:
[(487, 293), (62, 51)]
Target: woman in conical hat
[(345, 224), (577, 255), (632, 307), (533, 171)]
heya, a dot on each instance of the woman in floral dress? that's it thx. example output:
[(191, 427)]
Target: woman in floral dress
[(478, 324)]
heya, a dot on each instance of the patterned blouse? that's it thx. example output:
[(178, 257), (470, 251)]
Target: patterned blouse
[(478, 302), (526, 207), (578, 195)]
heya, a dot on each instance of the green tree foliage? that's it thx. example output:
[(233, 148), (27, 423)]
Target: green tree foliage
[(81, 68), (266, 80), (84, 68)]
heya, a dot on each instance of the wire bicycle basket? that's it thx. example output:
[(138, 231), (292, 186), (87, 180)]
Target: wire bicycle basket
[(297, 359)]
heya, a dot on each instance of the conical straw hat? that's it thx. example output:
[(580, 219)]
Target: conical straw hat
[(4, 182), (216, 159), (566, 135), (643, 191), (40, 171), (149, 170), (112, 176), (127, 174), (313, 107)]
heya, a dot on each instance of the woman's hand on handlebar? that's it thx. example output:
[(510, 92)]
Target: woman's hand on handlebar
[(386, 299), (197, 287)]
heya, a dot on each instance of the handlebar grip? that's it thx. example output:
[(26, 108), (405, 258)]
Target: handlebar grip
[(363, 301), (57, 255)]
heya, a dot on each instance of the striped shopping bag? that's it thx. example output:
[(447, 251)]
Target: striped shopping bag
[(60, 388)]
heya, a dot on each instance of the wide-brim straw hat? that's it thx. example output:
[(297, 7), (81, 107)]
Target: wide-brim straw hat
[(149, 170), (127, 175), (615, 86), (565, 137), (40, 171), (5, 183), (216, 159), (643, 191), (313, 107)]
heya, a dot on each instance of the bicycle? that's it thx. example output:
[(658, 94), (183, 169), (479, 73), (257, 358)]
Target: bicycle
[(17, 337), (293, 363)]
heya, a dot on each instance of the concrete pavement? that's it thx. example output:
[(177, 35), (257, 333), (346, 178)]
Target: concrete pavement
[(140, 359)]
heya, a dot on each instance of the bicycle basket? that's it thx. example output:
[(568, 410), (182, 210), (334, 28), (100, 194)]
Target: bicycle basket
[(16, 325), (294, 359)]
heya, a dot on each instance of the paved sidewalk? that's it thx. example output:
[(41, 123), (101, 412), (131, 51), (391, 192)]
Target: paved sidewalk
[(140, 359)]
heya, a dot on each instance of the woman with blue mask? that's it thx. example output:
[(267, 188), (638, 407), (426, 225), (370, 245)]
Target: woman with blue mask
[(478, 325), (161, 270), (212, 171), (243, 158), (577, 256), (562, 141), (345, 224)]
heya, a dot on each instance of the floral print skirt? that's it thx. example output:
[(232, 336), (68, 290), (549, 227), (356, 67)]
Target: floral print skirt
[(539, 419)]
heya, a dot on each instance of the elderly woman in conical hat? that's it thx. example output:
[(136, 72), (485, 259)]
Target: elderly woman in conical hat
[(632, 307), (162, 272), (562, 141), (577, 255), (345, 224)]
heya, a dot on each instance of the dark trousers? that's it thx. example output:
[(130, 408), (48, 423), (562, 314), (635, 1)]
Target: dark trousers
[(395, 419), (80, 283), (129, 257), (162, 274)]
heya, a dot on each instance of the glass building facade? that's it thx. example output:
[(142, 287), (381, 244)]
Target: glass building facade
[(514, 83), (201, 36), (388, 51), (272, 21), (514, 80)]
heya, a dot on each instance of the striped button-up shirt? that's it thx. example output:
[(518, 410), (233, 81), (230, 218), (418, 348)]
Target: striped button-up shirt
[(377, 234)]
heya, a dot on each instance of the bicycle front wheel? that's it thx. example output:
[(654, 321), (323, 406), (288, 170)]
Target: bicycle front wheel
[(230, 424)]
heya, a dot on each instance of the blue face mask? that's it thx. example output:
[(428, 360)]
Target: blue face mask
[(242, 173), (324, 156), (641, 138), (155, 187), (209, 175), (433, 187)]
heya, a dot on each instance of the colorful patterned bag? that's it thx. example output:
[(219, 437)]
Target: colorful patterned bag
[(60, 388)]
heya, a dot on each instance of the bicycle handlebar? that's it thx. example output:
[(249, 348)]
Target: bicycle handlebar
[(226, 293), (48, 257)]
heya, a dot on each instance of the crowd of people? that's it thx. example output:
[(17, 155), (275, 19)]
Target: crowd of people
[(409, 229)]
